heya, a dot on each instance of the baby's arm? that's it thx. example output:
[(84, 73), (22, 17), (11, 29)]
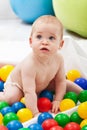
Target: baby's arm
[(60, 87), (29, 89)]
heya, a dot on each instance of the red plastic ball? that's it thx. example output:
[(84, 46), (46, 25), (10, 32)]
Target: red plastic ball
[(3, 127), (56, 128), (72, 126), (47, 124), (44, 104)]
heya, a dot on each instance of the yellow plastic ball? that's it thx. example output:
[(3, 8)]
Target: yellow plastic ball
[(24, 115), (83, 123), (66, 104), (82, 110), (5, 71), (1, 118), (73, 75), (22, 100)]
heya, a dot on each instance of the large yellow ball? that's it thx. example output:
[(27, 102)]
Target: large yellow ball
[(24, 115), (66, 104), (5, 71), (73, 75), (82, 110)]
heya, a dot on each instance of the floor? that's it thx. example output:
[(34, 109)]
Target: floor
[(14, 44)]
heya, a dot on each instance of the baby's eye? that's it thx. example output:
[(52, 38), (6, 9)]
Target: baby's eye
[(39, 36), (51, 37)]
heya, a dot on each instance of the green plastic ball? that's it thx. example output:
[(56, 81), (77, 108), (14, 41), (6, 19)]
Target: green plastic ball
[(82, 97), (71, 95), (3, 104), (84, 127), (24, 129), (9, 117), (62, 119), (74, 117)]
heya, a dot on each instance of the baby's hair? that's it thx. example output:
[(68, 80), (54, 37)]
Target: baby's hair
[(47, 19)]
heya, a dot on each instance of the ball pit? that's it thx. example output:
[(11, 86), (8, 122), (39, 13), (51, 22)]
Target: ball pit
[(20, 114), (30, 10)]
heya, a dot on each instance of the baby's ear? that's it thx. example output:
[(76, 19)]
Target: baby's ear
[(61, 43), (30, 41)]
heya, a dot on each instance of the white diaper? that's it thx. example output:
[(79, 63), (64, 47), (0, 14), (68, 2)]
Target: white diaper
[(9, 82)]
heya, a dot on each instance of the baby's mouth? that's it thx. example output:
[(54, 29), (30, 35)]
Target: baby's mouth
[(44, 49)]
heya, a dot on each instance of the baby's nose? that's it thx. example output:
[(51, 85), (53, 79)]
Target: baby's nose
[(45, 42)]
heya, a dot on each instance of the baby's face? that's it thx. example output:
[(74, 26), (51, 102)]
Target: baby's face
[(46, 38)]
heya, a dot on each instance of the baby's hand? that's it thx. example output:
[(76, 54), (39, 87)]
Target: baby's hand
[(55, 106)]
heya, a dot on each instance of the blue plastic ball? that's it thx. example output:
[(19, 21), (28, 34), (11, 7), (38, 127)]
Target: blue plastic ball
[(14, 125), (35, 126), (6, 110), (82, 82), (43, 116), (47, 94), (30, 10), (1, 86), (17, 106)]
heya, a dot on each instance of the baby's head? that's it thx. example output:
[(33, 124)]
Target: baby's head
[(48, 19), (47, 28)]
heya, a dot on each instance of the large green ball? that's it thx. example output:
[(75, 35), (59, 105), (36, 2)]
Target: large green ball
[(73, 15)]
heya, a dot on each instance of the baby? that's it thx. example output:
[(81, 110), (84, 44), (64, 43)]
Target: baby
[(42, 69)]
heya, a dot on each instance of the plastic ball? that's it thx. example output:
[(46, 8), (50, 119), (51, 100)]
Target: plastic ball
[(82, 82), (62, 119), (56, 128), (44, 104), (1, 118), (47, 94), (43, 116), (3, 127), (84, 127), (6, 110), (14, 125), (5, 71), (1, 86), (71, 95), (9, 117), (17, 106), (24, 129), (66, 104), (47, 124), (24, 114), (74, 117), (82, 110), (29, 10), (73, 75), (3, 104), (83, 123), (35, 126), (82, 97), (72, 126), (22, 100)]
